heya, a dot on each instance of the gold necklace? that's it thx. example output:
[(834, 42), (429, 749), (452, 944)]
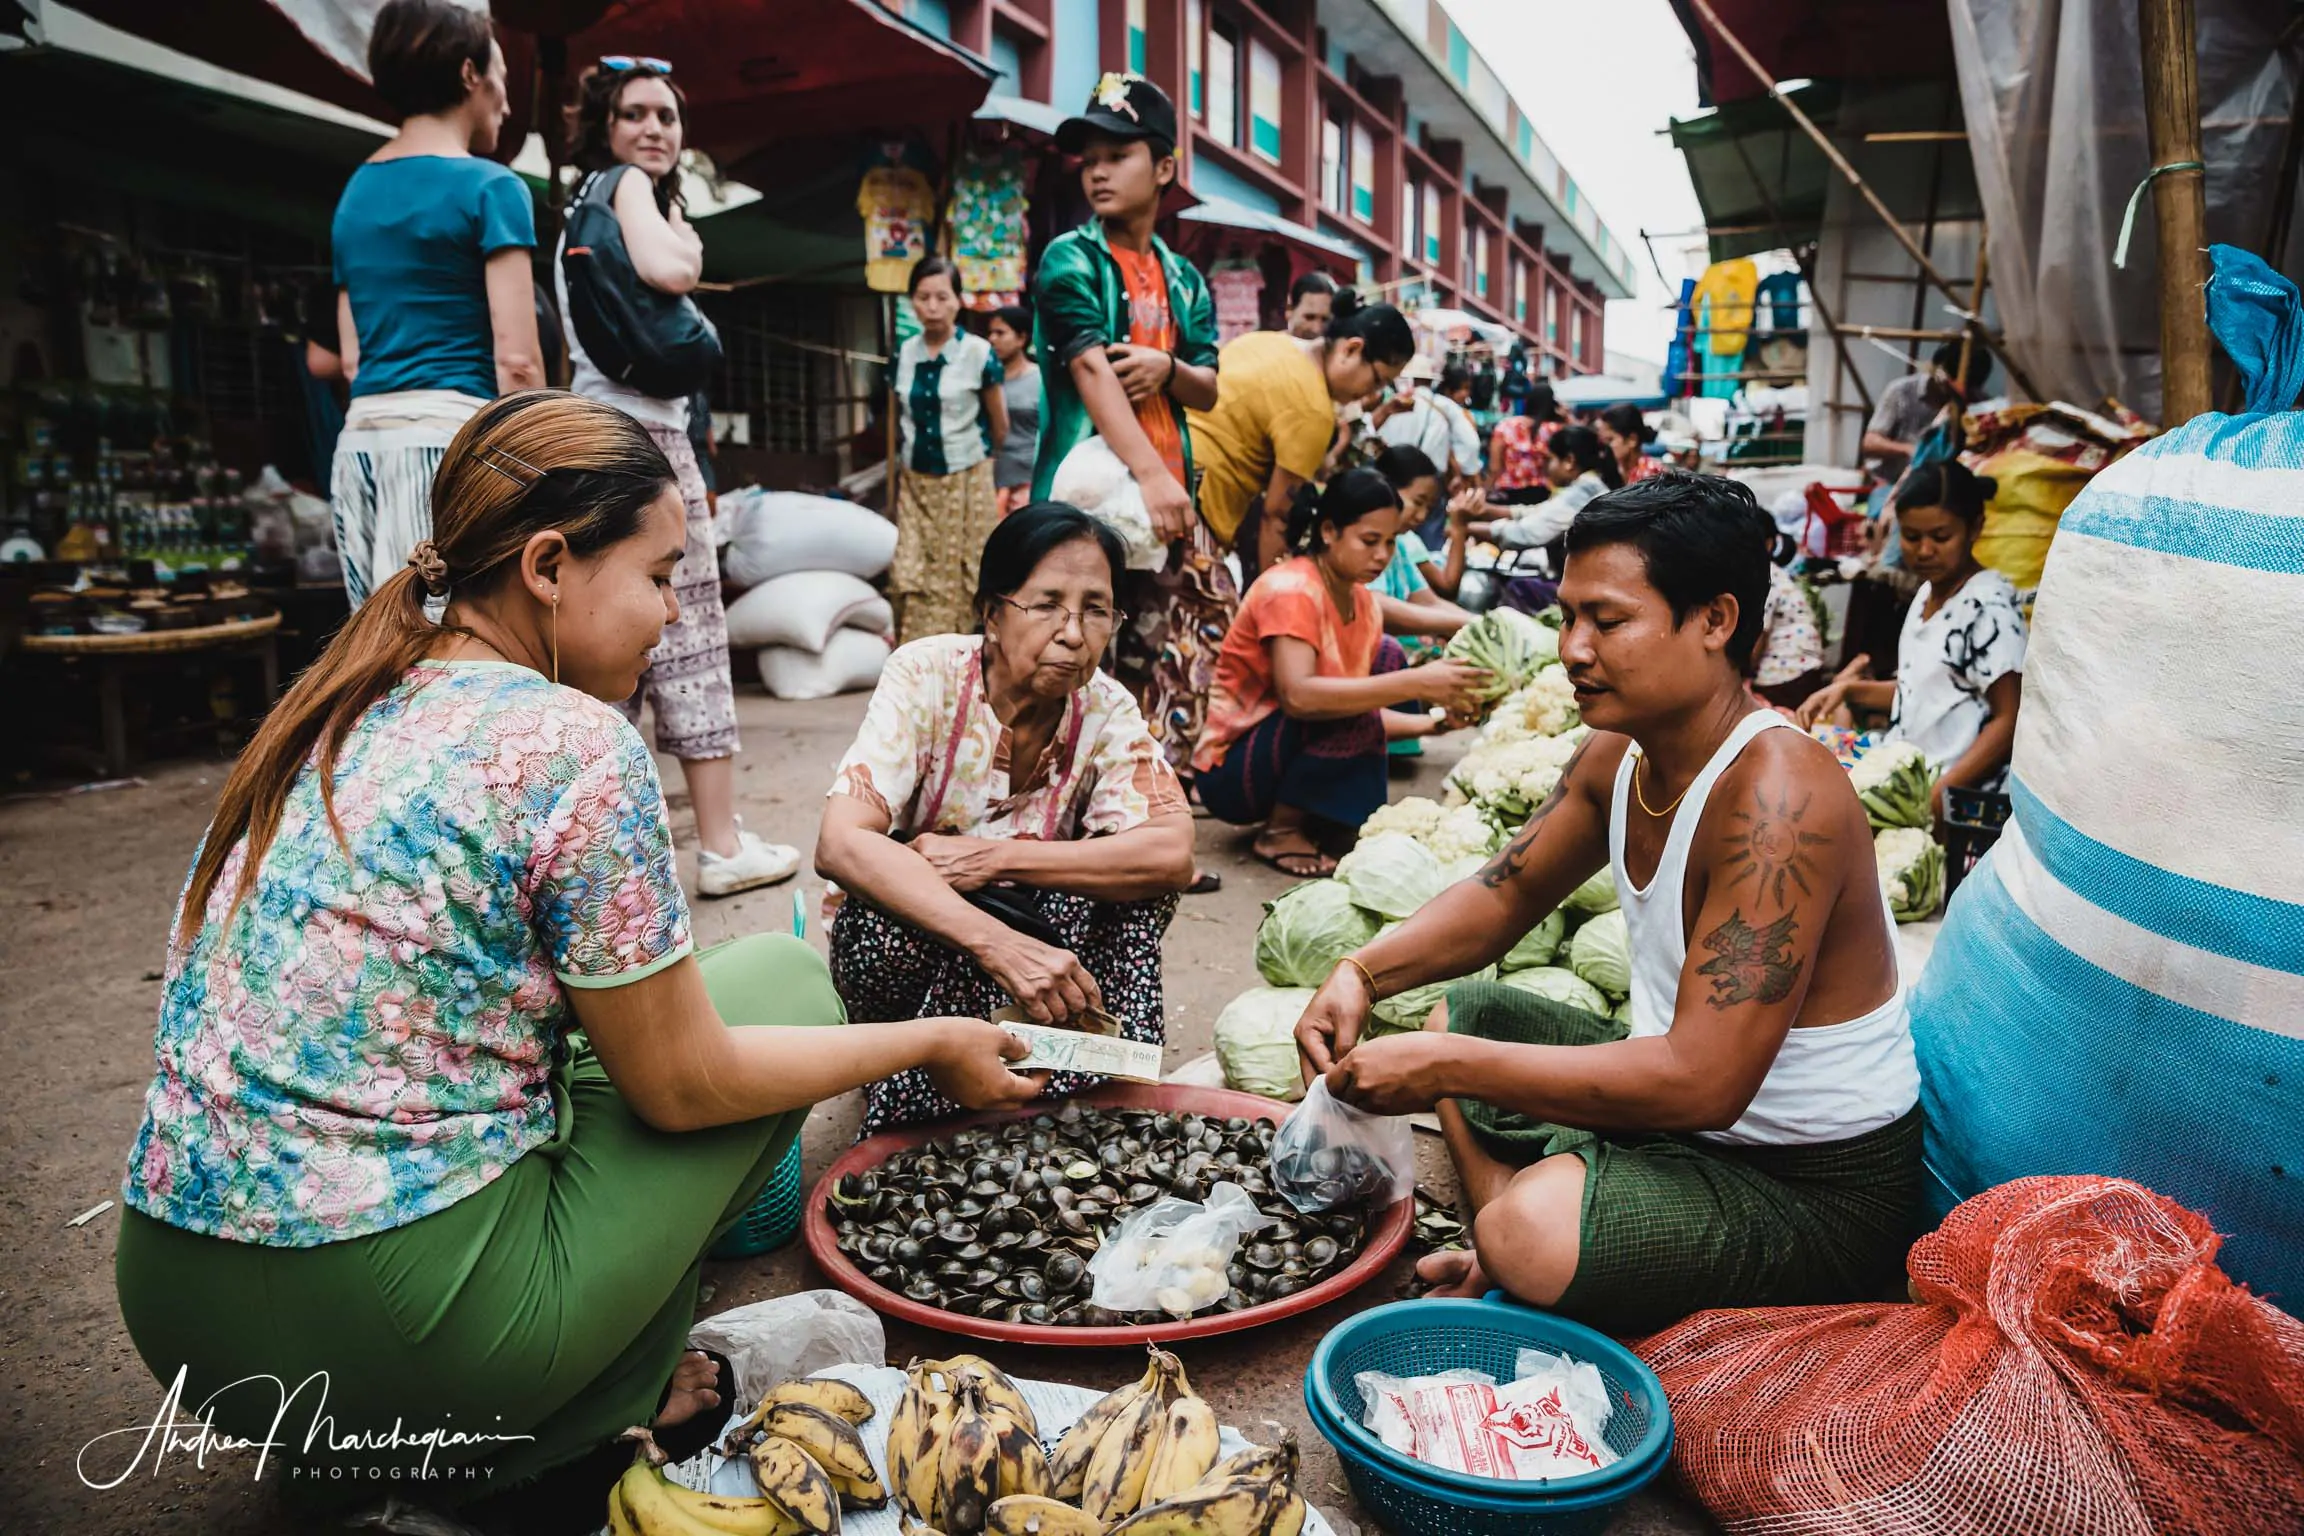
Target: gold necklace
[(1641, 762)]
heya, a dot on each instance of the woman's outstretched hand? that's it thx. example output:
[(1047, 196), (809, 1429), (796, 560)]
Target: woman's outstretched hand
[(1332, 1021), (970, 1065)]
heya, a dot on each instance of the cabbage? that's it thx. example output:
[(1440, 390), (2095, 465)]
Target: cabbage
[(1306, 931), (1623, 1013), (1560, 986), (1601, 953), (1507, 644), (1391, 874), (1537, 946), (1416, 816), (1895, 782), (1595, 895), (1256, 1040), (1911, 873), (1411, 1008)]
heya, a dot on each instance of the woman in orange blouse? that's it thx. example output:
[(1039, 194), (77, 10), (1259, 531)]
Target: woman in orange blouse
[(1307, 686)]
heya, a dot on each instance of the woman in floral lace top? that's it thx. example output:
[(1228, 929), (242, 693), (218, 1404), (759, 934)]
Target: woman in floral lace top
[(447, 1106), (1002, 770)]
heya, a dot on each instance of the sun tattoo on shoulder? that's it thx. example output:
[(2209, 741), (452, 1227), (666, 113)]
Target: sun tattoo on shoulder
[(1750, 964), (1771, 851)]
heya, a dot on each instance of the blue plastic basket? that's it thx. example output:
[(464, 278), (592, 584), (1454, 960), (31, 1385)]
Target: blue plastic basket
[(1418, 1338), (773, 1218)]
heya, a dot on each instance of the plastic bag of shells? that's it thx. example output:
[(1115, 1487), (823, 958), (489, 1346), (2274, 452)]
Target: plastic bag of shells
[(1330, 1155), (1172, 1256)]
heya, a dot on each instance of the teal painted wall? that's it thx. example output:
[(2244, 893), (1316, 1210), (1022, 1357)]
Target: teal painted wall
[(1076, 35)]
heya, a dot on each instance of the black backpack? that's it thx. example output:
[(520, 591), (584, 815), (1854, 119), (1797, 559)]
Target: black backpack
[(658, 343)]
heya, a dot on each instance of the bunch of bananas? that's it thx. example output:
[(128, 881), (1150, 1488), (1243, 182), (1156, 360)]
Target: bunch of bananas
[(805, 1452), (1143, 1461), (962, 1437)]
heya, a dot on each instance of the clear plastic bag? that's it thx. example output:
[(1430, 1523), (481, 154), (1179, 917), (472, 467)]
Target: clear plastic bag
[(1329, 1155), (787, 1337), (1171, 1256)]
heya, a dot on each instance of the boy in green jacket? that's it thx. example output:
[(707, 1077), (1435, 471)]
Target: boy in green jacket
[(1126, 335)]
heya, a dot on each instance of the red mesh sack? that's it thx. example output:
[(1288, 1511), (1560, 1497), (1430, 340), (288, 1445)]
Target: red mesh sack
[(2074, 1363)]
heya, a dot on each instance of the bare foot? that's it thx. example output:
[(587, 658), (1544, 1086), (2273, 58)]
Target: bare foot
[(1453, 1272), (694, 1388)]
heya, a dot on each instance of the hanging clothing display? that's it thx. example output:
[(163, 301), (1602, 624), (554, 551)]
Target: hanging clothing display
[(898, 205), (1728, 288), (1237, 286), (987, 213)]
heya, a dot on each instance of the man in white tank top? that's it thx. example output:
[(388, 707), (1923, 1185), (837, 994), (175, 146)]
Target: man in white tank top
[(1751, 1137)]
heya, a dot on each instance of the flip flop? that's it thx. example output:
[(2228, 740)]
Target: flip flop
[(1324, 866), (1205, 882)]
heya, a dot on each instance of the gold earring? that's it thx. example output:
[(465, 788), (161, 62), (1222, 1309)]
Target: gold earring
[(555, 637)]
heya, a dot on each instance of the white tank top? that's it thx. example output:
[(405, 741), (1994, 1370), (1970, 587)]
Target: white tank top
[(1829, 1081)]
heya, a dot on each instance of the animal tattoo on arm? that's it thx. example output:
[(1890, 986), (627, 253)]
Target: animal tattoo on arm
[(1769, 851)]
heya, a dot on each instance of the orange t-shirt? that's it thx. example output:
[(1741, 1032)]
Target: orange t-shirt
[(1151, 323), (1290, 599)]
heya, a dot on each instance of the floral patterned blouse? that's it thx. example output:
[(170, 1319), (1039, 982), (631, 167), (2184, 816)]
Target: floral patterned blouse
[(934, 757), (371, 1037)]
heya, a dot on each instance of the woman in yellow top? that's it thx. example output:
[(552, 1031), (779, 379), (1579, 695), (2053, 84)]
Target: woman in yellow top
[(1275, 416)]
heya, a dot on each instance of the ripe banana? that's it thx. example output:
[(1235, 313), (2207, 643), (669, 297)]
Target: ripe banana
[(619, 1522), (1068, 1465), (790, 1479), (1031, 1515), (1290, 1520), (1023, 1465), (1237, 1508), (969, 1467), (915, 1437), (1123, 1459), (1187, 1449), (838, 1449), (999, 1390), (833, 1396), (651, 1504), (1258, 1462)]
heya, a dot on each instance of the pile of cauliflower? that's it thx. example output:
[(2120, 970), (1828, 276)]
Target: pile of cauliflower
[(1546, 707)]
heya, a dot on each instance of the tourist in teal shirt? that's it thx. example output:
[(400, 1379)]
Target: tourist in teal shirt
[(436, 303)]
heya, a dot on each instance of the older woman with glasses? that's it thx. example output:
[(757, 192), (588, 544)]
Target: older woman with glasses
[(1004, 832)]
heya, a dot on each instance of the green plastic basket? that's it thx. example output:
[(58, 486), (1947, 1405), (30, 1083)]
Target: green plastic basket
[(773, 1219)]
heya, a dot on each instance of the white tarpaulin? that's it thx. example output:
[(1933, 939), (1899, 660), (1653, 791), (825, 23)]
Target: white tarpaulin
[(2053, 93), (340, 28)]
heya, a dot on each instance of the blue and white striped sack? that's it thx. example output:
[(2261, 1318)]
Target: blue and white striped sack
[(2119, 986)]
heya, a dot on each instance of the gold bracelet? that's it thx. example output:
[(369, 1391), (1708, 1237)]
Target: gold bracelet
[(1366, 975)]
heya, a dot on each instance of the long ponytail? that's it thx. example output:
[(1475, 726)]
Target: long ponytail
[(525, 464)]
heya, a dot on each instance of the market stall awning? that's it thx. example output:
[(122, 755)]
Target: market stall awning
[(754, 71), (1593, 390), (1326, 249), (1817, 40), (1760, 181), (1023, 111)]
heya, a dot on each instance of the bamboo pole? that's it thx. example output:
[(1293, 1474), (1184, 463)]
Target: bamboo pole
[(2179, 203), (1975, 302), (1863, 188)]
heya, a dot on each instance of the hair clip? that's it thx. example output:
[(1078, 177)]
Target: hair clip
[(489, 455)]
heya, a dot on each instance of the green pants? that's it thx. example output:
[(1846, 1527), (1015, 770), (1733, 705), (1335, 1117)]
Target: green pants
[(551, 1304), (1676, 1224)]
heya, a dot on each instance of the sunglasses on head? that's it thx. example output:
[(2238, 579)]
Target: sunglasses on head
[(619, 62)]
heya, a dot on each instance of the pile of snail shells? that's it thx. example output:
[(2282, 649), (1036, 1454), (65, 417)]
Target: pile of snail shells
[(1000, 1221)]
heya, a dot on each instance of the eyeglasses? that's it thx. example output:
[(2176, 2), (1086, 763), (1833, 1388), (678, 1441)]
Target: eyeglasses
[(1093, 619), (616, 63)]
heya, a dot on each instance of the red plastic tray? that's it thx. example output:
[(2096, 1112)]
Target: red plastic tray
[(1389, 1235)]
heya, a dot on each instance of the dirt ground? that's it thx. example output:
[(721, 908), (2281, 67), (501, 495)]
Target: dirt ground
[(86, 885)]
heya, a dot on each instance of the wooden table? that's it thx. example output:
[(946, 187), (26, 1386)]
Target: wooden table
[(112, 659)]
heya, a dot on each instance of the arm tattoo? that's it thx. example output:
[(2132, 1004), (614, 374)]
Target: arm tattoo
[(1767, 847), (1750, 963), (1505, 868)]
